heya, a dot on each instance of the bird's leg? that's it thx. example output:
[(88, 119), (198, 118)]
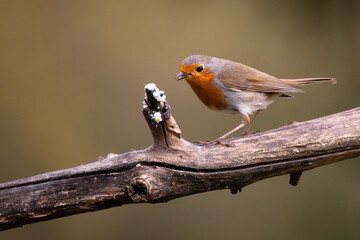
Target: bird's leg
[(245, 121), (249, 126)]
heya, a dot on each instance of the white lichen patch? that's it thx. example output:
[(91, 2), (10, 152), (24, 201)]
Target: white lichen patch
[(111, 155), (144, 104), (151, 87), (158, 95), (157, 117)]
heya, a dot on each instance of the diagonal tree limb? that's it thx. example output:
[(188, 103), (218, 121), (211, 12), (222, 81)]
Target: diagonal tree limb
[(173, 168)]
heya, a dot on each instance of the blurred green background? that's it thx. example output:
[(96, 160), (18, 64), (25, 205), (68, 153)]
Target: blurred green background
[(71, 87)]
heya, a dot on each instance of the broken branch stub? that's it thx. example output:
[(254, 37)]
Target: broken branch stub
[(163, 127)]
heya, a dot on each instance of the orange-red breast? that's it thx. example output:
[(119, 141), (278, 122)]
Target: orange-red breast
[(232, 87)]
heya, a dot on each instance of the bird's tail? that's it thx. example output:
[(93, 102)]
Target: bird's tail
[(308, 81)]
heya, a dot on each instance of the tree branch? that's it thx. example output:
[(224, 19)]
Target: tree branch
[(173, 168)]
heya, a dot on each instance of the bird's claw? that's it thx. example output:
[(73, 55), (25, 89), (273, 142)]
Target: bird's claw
[(247, 133)]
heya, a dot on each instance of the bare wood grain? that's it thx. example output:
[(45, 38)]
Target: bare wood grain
[(173, 168)]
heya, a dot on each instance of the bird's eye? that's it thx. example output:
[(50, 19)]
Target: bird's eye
[(199, 68)]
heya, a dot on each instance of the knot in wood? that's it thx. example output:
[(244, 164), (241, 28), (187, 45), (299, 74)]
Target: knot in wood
[(139, 189)]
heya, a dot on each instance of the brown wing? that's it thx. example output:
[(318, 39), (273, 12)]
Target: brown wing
[(241, 77)]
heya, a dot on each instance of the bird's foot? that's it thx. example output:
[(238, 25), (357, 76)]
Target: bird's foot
[(214, 142), (247, 133)]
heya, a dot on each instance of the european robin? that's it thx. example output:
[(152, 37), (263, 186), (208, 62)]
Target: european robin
[(232, 87)]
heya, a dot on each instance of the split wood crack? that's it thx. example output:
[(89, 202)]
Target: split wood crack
[(173, 167)]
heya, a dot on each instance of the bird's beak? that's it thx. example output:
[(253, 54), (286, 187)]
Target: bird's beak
[(181, 75)]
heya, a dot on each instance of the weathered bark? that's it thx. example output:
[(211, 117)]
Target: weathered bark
[(173, 168)]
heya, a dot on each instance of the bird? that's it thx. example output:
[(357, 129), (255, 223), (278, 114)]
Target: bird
[(231, 87)]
